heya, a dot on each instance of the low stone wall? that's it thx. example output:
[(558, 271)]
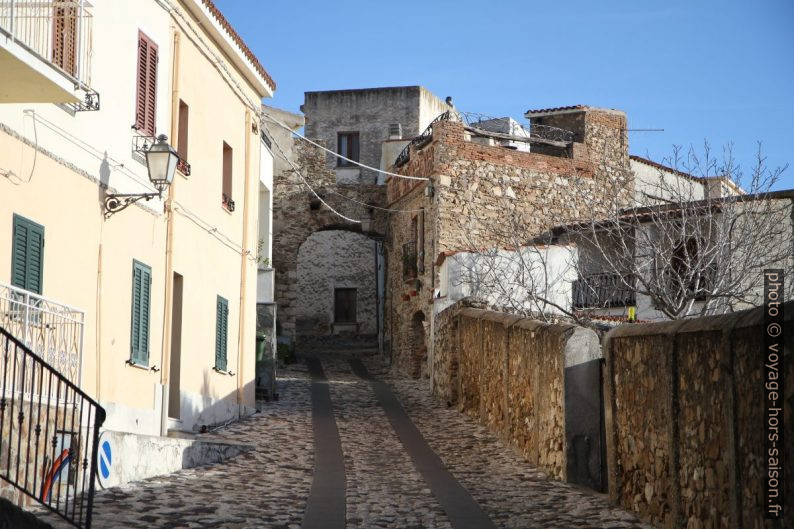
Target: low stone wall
[(684, 419), (509, 372)]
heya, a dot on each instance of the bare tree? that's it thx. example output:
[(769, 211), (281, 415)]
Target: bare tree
[(693, 240), (695, 243)]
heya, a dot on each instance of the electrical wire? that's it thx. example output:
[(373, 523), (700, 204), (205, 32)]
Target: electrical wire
[(390, 210), (304, 138), (306, 183)]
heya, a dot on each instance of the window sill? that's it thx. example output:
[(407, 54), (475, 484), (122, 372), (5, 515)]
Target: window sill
[(222, 372), (141, 366)]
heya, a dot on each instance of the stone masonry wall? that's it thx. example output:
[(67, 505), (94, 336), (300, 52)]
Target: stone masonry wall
[(329, 260), (475, 187), (368, 112), (508, 372), (684, 416), (294, 220)]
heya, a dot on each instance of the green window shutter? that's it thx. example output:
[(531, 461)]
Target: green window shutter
[(221, 333), (27, 255), (141, 301)]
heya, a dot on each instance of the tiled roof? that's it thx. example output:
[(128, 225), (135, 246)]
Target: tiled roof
[(555, 109), (239, 41), (662, 167)]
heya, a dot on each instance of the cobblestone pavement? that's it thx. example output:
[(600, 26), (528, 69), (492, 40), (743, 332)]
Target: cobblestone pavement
[(269, 486)]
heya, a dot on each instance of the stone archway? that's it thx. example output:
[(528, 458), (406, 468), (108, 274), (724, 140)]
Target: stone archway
[(336, 303), (418, 344)]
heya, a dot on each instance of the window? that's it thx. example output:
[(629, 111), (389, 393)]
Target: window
[(146, 79), (221, 333), (226, 195), (347, 146), (27, 254), (64, 37), (181, 145), (344, 305), (141, 300)]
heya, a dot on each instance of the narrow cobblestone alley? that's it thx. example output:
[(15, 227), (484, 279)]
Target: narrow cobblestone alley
[(388, 484)]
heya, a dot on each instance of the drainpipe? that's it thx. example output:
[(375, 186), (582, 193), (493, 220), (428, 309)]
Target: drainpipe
[(241, 336), (165, 356)]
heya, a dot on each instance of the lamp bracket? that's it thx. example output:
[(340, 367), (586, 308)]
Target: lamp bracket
[(118, 201)]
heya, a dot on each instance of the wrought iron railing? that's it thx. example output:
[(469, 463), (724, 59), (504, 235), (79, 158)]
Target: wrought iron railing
[(410, 269), (533, 131), (50, 432), (53, 331), (58, 31), (141, 144), (227, 202), (603, 290), (421, 140)]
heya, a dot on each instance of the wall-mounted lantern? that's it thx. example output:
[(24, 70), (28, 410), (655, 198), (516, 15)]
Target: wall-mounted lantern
[(161, 161)]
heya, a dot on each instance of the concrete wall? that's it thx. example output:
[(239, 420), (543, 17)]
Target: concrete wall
[(509, 373), (335, 259), (684, 416)]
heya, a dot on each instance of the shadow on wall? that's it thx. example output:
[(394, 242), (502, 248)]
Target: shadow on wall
[(203, 410), (104, 179)]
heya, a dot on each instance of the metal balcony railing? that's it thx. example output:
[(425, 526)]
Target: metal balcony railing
[(410, 269), (58, 31), (52, 330), (49, 434), (603, 290)]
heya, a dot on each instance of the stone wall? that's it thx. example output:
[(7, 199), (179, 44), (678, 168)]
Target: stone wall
[(335, 259), (369, 112), (684, 418), (297, 214), (476, 188), (508, 372)]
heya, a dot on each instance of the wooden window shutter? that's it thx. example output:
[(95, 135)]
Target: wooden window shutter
[(221, 333), (146, 86), (64, 36), (141, 301), (27, 255)]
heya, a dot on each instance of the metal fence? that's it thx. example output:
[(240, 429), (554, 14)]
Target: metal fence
[(58, 31), (410, 268), (52, 330), (602, 290), (50, 432)]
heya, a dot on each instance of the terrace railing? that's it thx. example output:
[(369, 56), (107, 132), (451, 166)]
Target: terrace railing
[(52, 330), (602, 291), (58, 31)]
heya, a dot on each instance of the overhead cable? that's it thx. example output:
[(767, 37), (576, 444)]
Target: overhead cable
[(354, 162)]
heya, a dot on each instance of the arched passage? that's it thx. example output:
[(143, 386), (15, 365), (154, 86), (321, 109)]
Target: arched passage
[(337, 290)]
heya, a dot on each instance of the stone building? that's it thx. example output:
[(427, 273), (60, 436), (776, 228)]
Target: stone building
[(476, 183), (330, 272)]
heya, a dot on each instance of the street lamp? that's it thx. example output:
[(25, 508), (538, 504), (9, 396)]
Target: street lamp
[(161, 161)]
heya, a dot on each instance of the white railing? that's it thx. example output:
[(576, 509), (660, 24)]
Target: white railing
[(58, 31), (52, 330)]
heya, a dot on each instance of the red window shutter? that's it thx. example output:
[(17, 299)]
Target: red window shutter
[(146, 89)]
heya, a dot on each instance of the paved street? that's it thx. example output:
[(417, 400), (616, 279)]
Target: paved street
[(414, 465)]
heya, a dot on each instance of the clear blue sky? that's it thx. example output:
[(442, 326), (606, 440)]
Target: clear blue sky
[(721, 71)]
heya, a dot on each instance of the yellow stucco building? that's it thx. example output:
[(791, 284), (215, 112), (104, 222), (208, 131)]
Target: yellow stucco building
[(151, 309)]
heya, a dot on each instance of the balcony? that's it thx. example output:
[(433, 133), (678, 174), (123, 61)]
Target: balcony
[(603, 291), (45, 53), (52, 330)]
